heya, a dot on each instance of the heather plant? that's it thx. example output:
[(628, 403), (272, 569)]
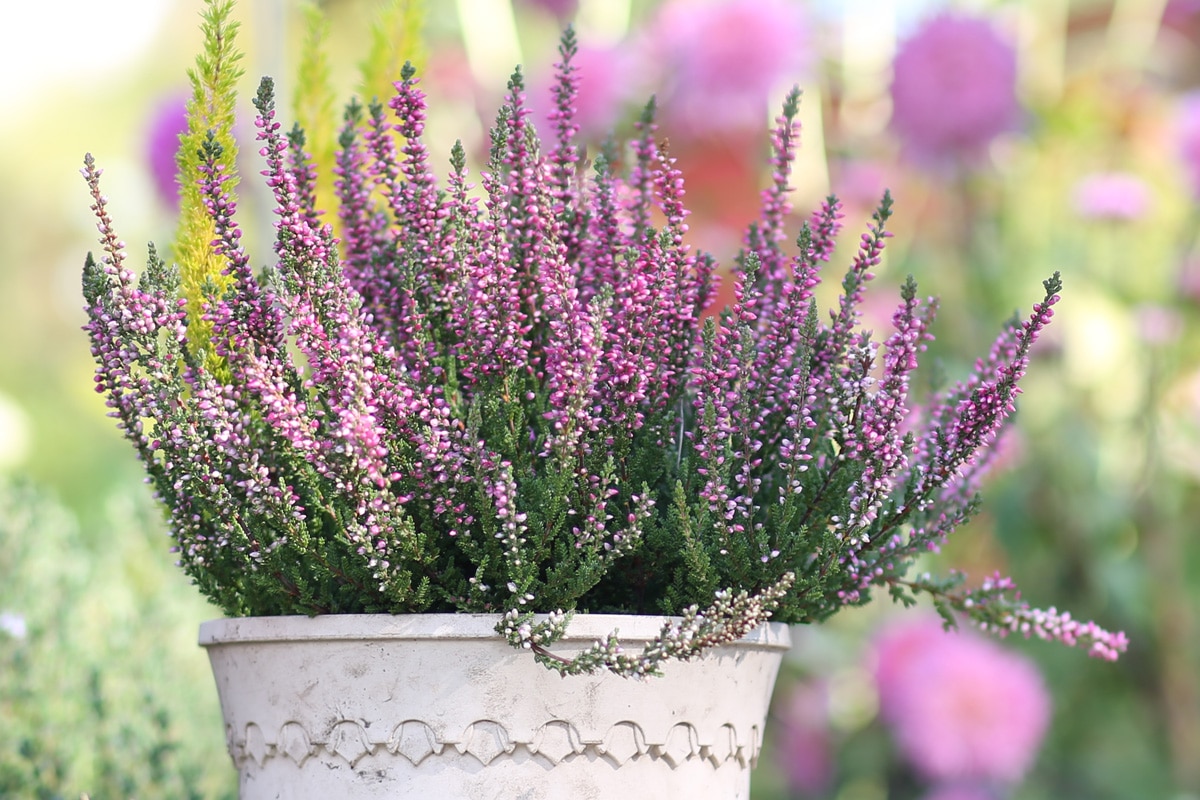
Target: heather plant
[(511, 399)]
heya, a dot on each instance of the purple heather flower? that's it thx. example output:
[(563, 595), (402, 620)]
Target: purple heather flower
[(721, 59), (953, 89), (1187, 135), (168, 119), (959, 706), (1119, 196)]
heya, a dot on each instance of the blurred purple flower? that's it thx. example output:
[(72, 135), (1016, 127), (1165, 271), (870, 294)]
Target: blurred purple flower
[(562, 10), (953, 89), (167, 121), (721, 59), (1187, 132), (1112, 196), (959, 706), (805, 753)]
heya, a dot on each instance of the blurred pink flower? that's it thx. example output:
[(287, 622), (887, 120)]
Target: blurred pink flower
[(1180, 12), (168, 119), (953, 88), (860, 184), (959, 791), (1158, 325), (960, 707), (720, 60), (608, 81), (1187, 134), (896, 649), (1188, 278), (804, 752), (1112, 196)]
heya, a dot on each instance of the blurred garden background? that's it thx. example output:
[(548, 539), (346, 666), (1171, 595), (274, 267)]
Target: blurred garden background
[(1018, 137)]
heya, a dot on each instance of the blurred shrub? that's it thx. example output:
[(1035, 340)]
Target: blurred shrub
[(103, 690)]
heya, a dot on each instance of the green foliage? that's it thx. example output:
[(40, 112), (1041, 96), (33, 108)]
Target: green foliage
[(105, 685), (314, 104)]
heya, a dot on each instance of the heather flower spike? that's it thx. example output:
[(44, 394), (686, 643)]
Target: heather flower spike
[(515, 403)]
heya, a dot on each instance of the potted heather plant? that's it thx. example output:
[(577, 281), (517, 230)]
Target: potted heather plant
[(506, 419)]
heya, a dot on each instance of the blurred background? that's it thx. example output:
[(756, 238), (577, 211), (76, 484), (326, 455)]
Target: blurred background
[(1018, 137)]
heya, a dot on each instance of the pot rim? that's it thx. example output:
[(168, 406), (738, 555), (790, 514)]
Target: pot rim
[(444, 627)]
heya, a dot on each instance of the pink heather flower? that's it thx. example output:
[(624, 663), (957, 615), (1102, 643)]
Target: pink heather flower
[(959, 706), (1187, 134), (1112, 196), (167, 121), (608, 82), (953, 88), (804, 752), (721, 59)]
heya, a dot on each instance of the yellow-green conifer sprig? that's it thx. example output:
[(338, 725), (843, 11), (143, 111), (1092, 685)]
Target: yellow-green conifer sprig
[(211, 108), (395, 39), (313, 103)]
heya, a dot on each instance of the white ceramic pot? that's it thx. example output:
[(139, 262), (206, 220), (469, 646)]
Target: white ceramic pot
[(439, 707)]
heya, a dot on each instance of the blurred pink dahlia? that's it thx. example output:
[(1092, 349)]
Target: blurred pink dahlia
[(960, 707), (953, 89)]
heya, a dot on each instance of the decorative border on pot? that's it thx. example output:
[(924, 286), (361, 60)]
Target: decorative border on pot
[(487, 740)]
